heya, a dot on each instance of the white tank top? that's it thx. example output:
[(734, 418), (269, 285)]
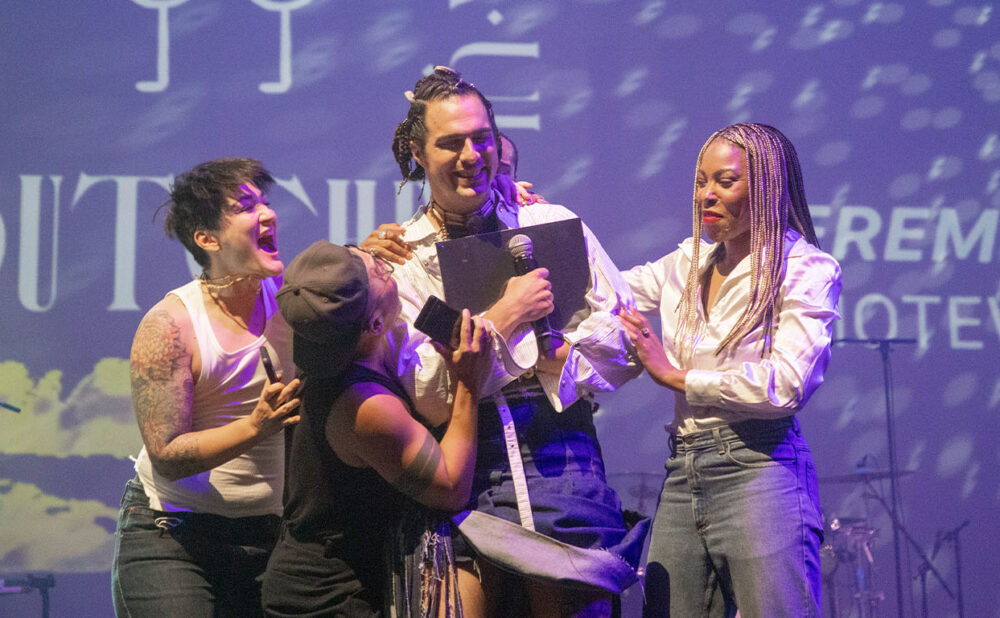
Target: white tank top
[(228, 388)]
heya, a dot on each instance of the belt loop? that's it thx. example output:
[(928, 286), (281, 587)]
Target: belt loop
[(717, 434)]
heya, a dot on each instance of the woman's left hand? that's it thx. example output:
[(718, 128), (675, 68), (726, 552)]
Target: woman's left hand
[(526, 196), (650, 349)]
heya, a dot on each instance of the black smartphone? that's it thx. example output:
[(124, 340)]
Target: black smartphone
[(268, 365), (439, 321)]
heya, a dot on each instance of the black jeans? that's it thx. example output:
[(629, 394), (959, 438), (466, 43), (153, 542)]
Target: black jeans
[(187, 564)]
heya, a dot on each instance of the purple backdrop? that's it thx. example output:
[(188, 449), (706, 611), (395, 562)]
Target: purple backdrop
[(892, 106)]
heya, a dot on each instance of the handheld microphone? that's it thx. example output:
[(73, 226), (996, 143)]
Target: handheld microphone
[(520, 248)]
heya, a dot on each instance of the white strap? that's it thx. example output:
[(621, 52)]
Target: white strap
[(516, 465)]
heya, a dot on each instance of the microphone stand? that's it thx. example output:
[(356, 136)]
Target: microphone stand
[(884, 347), (925, 564), (952, 537), (41, 583)]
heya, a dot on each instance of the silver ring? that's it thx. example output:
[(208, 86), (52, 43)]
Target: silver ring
[(371, 251), (645, 332), (382, 234)]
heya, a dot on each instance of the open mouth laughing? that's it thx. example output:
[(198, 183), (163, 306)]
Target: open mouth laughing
[(266, 242)]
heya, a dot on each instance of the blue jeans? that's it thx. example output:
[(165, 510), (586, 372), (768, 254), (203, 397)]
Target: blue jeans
[(571, 500), (738, 525), (187, 564)]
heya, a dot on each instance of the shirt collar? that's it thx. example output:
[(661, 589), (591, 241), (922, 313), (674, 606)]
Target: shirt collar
[(506, 212), (420, 227), (795, 244)]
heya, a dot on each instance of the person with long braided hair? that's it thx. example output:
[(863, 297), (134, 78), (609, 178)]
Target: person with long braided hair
[(523, 537), (746, 329)]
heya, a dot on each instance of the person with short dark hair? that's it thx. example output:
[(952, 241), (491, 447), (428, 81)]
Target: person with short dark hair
[(201, 515), (364, 533)]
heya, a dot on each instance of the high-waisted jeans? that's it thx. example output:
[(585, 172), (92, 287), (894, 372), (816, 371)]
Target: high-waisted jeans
[(738, 525)]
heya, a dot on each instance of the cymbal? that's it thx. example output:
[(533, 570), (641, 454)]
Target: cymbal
[(863, 475)]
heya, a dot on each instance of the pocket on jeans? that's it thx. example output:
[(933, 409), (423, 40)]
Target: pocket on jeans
[(138, 519), (761, 455)]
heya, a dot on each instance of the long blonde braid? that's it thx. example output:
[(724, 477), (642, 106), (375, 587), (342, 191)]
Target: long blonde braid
[(776, 201)]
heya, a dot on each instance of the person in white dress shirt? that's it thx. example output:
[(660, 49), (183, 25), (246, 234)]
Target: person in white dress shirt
[(449, 138), (746, 328)]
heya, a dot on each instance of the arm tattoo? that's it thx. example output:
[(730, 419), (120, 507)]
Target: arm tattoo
[(419, 474), (162, 386)]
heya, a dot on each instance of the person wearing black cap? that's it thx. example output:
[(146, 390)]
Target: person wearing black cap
[(360, 536)]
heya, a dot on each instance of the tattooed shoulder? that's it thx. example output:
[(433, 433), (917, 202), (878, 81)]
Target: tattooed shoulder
[(157, 350)]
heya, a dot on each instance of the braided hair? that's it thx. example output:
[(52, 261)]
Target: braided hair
[(777, 201), (443, 83)]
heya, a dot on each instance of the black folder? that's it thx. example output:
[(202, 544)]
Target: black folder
[(475, 269)]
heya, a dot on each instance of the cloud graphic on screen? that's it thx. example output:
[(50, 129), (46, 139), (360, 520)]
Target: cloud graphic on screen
[(36, 527), (94, 419)]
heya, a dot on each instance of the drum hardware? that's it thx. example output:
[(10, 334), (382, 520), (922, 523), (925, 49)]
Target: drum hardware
[(951, 536), (850, 544), (925, 562), (884, 346), (28, 583)]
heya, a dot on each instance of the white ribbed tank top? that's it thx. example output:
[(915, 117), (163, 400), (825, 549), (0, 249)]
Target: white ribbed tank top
[(227, 388)]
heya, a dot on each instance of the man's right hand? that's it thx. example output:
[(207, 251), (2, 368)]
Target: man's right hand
[(527, 298), (386, 241)]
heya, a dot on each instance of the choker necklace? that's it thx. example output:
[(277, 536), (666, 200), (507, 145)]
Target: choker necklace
[(212, 287), (224, 282), (455, 225)]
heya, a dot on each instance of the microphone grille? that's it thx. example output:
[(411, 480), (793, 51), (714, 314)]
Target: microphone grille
[(519, 245)]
